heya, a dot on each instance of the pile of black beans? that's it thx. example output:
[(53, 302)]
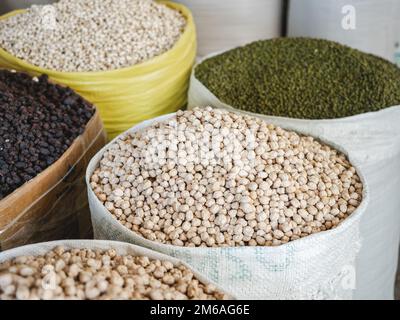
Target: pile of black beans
[(38, 122)]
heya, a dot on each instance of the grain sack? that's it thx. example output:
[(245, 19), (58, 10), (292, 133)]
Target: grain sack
[(100, 289), (51, 203), (317, 266), (367, 25), (372, 141), (222, 25), (128, 93)]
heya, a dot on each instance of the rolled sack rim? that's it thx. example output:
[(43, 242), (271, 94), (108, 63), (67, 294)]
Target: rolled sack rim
[(186, 34), (347, 223)]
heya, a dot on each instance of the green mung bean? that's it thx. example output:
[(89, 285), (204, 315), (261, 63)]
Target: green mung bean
[(301, 78)]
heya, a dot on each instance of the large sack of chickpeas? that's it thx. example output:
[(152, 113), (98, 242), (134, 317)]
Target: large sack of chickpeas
[(48, 135), (222, 25), (264, 212), (99, 270), (327, 90), (368, 25), (132, 59)]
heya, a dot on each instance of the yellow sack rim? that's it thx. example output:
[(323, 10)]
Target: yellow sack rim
[(182, 41)]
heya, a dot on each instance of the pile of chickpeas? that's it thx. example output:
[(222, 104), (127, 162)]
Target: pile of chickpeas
[(91, 35)]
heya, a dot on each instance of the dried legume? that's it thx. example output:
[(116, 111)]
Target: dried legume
[(214, 178), (91, 35), (99, 274)]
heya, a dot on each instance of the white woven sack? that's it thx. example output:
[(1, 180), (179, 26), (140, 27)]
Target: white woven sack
[(375, 23), (225, 24), (315, 267), (121, 248), (373, 141)]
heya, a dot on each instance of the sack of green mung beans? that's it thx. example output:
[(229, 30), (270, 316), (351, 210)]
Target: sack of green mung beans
[(367, 25), (99, 270), (264, 212), (222, 25), (325, 89)]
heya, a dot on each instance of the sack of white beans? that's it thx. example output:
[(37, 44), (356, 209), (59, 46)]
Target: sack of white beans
[(236, 235), (94, 269), (133, 62), (372, 140)]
